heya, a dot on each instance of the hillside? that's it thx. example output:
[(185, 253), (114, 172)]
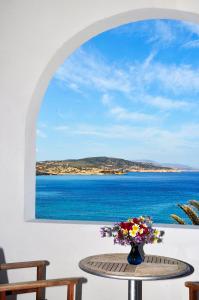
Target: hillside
[(97, 166)]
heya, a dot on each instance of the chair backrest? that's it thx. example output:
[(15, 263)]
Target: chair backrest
[(193, 289), (4, 273)]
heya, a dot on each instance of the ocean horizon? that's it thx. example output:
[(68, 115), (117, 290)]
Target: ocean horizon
[(113, 198)]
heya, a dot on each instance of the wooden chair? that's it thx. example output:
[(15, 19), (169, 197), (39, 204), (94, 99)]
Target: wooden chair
[(193, 289), (37, 286)]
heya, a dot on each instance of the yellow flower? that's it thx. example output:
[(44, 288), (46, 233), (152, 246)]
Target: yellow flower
[(135, 227), (125, 231), (141, 231), (156, 233), (155, 240), (134, 230), (132, 233)]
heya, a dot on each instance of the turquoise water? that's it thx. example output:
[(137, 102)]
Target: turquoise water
[(114, 198)]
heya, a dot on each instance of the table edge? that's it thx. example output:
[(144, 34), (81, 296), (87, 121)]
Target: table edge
[(138, 278)]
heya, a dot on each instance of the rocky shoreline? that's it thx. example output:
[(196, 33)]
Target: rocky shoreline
[(99, 166), (105, 173)]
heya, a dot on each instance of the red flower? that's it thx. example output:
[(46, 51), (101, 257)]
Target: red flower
[(136, 220), (126, 225), (120, 235), (144, 230)]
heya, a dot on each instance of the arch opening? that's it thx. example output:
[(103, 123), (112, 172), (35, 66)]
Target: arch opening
[(32, 124)]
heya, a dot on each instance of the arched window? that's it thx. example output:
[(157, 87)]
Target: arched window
[(118, 131)]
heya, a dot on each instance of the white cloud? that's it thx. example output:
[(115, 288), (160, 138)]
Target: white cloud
[(193, 30), (88, 71), (122, 114), (149, 60), (157, 138), (191, 131), (107, 99), (191, 27), (61, 128), (177, 79), (41, 134), (192, 44), (74, 86), (42, 125), (154, 31), (167, 103), (161, 33), (105, 132), (91, 71)]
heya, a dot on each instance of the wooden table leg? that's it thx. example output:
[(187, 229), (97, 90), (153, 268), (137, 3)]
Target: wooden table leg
[(134, 290)]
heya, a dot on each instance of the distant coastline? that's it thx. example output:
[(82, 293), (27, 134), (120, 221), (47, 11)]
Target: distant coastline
[(99, 166)]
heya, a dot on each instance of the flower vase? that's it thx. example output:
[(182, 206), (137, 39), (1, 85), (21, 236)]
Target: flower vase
[(136, 255)]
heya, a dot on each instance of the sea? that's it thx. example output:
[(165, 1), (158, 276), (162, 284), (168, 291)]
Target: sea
[(113, 198)]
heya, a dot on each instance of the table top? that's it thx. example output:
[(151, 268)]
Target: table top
[(115, 265)]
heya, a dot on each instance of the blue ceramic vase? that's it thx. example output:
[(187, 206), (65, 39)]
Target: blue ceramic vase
[(136, 255)]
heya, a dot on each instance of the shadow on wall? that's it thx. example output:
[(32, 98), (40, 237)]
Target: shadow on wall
[(4, 274)]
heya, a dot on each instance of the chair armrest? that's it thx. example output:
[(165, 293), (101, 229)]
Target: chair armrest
[(38, 284), (26, 264), (40, 266), (194, 285)]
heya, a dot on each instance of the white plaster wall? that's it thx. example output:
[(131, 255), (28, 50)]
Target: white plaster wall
[(35, 37)]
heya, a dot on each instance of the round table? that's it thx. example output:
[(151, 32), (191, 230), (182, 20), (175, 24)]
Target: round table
[(154, 267)]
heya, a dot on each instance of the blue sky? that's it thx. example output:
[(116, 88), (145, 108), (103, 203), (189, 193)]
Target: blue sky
[(131, 92)]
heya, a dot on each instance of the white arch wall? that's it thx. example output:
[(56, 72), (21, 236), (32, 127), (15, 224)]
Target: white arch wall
[(35, 37)]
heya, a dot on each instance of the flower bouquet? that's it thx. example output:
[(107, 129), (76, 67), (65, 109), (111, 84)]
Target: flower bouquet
[(134, 232)]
